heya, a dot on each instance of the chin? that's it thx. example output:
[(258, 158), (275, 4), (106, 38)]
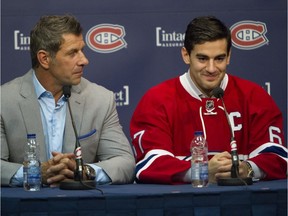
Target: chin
[(210, 87), (76, 82)]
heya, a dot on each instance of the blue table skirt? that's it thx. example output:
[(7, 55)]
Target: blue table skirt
[(261, 198)]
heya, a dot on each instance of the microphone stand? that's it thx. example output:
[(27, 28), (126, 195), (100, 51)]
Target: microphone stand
[(235, 180), (78, 183)]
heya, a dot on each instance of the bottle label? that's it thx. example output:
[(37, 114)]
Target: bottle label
[(195, 171), (33, 174), (204, 171)]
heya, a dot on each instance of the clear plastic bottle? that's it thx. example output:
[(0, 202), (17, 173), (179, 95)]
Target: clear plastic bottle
[(31, 165), (199, 161)]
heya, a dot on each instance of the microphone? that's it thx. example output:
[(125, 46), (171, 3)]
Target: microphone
[(66, 92), (78, 183), (235, 179)]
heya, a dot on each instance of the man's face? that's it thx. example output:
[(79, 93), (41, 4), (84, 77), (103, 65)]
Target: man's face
[(207, 63), (67, 66)]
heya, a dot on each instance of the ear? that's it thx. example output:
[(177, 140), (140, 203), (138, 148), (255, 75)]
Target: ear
[(43, 58), (185, 55)]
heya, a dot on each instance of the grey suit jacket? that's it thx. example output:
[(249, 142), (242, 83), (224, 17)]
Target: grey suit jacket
[(94, 111)]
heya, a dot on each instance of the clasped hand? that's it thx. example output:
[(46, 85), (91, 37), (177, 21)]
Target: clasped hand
[(58, 168), (220, 167)]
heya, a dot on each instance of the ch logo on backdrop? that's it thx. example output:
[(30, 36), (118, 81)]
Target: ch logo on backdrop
[(106, 38), (109, 38), (249, 35)]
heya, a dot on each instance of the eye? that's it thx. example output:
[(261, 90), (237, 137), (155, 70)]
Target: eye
[(220, 58), (73, 52), (202, 58)]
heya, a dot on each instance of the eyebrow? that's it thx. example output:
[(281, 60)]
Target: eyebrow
[(205, 56)]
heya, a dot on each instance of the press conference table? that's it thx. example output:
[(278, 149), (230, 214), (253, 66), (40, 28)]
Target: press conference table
[(261, 198)]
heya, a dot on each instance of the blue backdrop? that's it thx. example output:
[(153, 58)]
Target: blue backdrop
[(133, 45)]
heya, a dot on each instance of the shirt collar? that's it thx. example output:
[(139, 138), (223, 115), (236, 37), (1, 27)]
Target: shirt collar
[(39, 89), (192, 85), (223, 85), (41, 92)]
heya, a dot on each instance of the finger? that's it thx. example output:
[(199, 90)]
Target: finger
[(222, 156), (55, 153), (59, 156), (54, 185), (223, 175), (69, 163), (225, 154), (223, 159), (69, 155), (64, 163), (63, 174), (55, 179), (56, 168), (224, 168), (56, 159), (67, 173)]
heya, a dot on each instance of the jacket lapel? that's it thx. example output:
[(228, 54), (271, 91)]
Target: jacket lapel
[(77, 108), (31, 113)]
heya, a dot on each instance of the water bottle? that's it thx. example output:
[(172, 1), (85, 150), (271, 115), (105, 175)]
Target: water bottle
[(31, 165), (199, 161)]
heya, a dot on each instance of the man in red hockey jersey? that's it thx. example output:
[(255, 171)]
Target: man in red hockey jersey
[(164, 121)]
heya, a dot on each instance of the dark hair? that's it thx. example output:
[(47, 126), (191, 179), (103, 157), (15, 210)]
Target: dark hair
[(47, 34), (204, 29)]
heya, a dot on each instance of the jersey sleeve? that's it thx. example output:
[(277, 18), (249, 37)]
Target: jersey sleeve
[(266, 137), (152, 139)]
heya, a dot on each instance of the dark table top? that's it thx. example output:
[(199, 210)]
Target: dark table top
[(140, 190)]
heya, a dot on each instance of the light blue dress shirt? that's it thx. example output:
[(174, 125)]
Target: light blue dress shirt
[(53, 120)]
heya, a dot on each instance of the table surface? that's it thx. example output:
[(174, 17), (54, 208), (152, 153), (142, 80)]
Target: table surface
[(141, 190)]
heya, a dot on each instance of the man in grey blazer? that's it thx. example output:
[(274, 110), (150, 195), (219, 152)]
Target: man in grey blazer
[(34, 103)]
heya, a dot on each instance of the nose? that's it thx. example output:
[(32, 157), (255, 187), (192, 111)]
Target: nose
[(211, 66), (83, 59)]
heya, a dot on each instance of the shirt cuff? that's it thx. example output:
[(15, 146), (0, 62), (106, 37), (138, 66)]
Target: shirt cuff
[(17, 179), (101, 176)]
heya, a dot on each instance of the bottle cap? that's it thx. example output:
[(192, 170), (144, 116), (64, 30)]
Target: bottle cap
[(29, 136), (198, 133)]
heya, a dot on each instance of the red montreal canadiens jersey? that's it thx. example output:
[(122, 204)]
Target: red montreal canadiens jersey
[(167, 116)]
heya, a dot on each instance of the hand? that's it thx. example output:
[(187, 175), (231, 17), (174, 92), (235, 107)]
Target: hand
[(219, 166), (58, 168), (243, 169)]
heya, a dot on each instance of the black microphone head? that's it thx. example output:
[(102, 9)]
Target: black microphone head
[(67, 91), (218, 92)]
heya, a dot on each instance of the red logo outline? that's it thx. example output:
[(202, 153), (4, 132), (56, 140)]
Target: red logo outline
[(248, 35), (106, 38)]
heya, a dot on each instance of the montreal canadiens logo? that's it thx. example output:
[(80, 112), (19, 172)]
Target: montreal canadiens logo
[(248, 35), (106, 38)]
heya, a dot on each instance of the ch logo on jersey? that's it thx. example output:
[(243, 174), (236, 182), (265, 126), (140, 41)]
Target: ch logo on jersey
[(106, 38), (248, 35)]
